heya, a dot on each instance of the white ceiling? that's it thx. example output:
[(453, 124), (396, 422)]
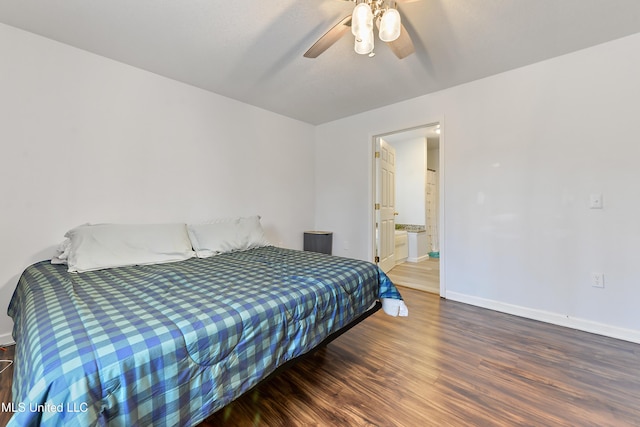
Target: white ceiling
[(252, 50)]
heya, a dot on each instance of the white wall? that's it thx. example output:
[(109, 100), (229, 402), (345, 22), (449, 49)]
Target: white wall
[(411, 170), (433, 211), (433, 157), (87, 139), (522, 152)]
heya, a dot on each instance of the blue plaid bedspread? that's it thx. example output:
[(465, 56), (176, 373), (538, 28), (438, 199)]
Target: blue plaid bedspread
[(169, 344)]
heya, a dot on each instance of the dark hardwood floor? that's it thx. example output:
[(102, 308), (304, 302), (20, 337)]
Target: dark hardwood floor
[(6, 353), (447, 364), (451, 364)]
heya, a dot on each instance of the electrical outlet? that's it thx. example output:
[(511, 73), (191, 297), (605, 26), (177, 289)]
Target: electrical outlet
[(595, 201), (597, 280)]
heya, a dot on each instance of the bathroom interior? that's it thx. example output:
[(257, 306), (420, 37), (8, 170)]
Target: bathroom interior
[(417, 195)]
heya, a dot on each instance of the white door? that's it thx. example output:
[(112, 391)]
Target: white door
[(386, 206)]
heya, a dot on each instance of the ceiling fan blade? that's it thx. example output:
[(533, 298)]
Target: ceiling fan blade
[(402, 46), (329, 38)]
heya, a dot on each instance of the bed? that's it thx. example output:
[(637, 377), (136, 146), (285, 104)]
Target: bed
[(172, 343)]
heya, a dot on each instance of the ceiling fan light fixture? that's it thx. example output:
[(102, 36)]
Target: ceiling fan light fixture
[(364, 43), (390, 25), (361, 20), (366, 15)]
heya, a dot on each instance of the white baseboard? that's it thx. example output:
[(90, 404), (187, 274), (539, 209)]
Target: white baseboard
[(418, 259), (549, 317), (6, 339)]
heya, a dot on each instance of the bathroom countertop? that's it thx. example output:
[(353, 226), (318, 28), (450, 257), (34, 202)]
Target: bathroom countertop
[(411, 228)]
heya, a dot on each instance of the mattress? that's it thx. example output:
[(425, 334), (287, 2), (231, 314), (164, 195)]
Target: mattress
[(169, 344)]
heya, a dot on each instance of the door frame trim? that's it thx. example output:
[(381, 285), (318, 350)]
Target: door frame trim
[(441, 194)]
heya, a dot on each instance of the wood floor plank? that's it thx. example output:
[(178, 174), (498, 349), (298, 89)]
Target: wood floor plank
[(423, 275), (447, 364), (5, 382), (457, 365)]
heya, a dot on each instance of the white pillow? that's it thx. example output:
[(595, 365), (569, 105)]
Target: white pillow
[(62, 252), (226, 235), (94, 247), (251, 232)]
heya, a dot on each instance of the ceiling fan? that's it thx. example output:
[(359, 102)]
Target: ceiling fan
[(367, 13)]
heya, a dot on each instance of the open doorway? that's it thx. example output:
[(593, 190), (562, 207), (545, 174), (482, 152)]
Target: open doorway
[(408, 206)]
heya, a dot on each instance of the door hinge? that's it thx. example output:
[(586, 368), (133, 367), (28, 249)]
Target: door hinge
[(377, 206), (377, 154), (377, 259)]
